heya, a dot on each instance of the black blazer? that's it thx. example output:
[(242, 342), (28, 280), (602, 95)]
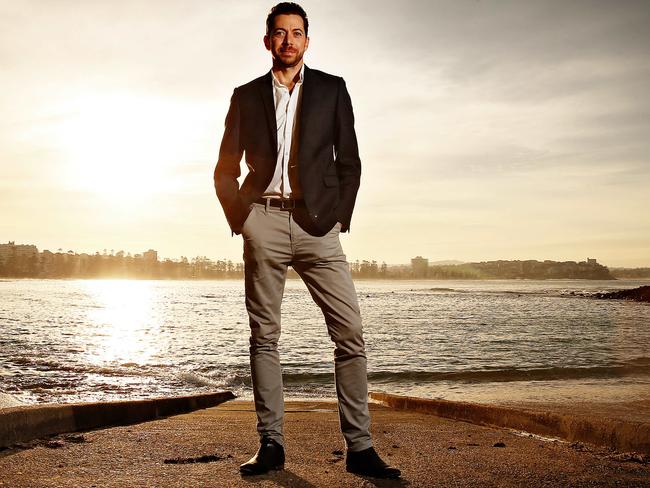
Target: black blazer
[(329, 168)]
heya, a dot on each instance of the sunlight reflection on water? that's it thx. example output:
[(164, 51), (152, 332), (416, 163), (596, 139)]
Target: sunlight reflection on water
[(122, 320)]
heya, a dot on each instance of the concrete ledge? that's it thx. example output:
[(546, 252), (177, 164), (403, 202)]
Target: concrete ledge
[(617, 434), (24, 423)]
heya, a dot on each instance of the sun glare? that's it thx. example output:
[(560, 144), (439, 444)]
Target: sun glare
[(125, 321), (124, 147)]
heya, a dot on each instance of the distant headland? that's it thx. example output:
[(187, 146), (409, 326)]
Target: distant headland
[(25, 261)]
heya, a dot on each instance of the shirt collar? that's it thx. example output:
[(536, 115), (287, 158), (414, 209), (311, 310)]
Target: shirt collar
[(277, 84)]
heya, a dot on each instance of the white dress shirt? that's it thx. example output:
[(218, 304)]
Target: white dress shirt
[(287, 107)]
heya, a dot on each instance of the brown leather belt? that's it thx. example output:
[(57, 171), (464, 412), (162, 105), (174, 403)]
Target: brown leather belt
[(281, 203)]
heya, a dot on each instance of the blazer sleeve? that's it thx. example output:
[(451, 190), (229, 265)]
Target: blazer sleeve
[(227, 169), (347, 157)]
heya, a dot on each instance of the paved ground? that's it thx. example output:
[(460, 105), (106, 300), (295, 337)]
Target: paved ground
[(430, 451)]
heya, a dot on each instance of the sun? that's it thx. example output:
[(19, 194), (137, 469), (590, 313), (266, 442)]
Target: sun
[(123, 147)]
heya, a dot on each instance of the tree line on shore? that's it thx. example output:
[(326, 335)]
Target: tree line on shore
[(147, 266)]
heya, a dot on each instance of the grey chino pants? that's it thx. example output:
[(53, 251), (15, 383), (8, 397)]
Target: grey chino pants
[(272, 242)]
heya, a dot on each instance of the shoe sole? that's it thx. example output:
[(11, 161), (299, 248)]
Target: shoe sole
[(252, 473), (387, 477)]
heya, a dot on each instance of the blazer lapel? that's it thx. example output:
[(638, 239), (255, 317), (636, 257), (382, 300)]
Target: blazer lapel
[(266, 90), (306, 103)]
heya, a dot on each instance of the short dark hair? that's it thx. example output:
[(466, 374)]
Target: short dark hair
[(285, 8)]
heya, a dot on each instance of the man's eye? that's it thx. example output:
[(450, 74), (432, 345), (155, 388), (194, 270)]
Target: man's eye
[(297, 34)]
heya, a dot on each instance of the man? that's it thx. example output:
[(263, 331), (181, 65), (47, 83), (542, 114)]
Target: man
[(295, 126)]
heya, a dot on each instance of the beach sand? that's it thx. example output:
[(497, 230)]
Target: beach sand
[(430, 451)]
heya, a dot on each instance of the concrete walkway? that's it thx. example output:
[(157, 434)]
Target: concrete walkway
[(204, 449)]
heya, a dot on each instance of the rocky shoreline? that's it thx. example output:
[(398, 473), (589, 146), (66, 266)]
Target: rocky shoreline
[(640, 294)]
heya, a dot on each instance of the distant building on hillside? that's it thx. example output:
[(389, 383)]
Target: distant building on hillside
[(150, 255), (11, 249), (420, 267)]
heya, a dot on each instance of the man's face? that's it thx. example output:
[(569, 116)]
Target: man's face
[(287, 40)]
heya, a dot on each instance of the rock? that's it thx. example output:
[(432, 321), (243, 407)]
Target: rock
[(634, 457), (53, 444), (579, 446), (640, 294)]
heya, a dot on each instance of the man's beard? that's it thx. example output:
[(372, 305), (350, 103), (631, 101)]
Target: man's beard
[(289, 62)]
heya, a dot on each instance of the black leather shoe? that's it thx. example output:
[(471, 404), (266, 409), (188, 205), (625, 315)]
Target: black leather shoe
[(368, 463), (270, 456)]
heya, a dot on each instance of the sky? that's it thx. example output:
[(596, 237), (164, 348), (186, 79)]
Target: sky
[(487, 129)]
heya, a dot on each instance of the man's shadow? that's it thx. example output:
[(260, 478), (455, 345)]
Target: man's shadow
[(287, 478)]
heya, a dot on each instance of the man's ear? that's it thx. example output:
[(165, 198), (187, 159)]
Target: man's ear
[(267, 43)]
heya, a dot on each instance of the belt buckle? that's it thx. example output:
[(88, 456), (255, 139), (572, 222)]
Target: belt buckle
[(287, 204)]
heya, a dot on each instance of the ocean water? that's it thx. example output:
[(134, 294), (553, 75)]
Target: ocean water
[(498, 341)]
